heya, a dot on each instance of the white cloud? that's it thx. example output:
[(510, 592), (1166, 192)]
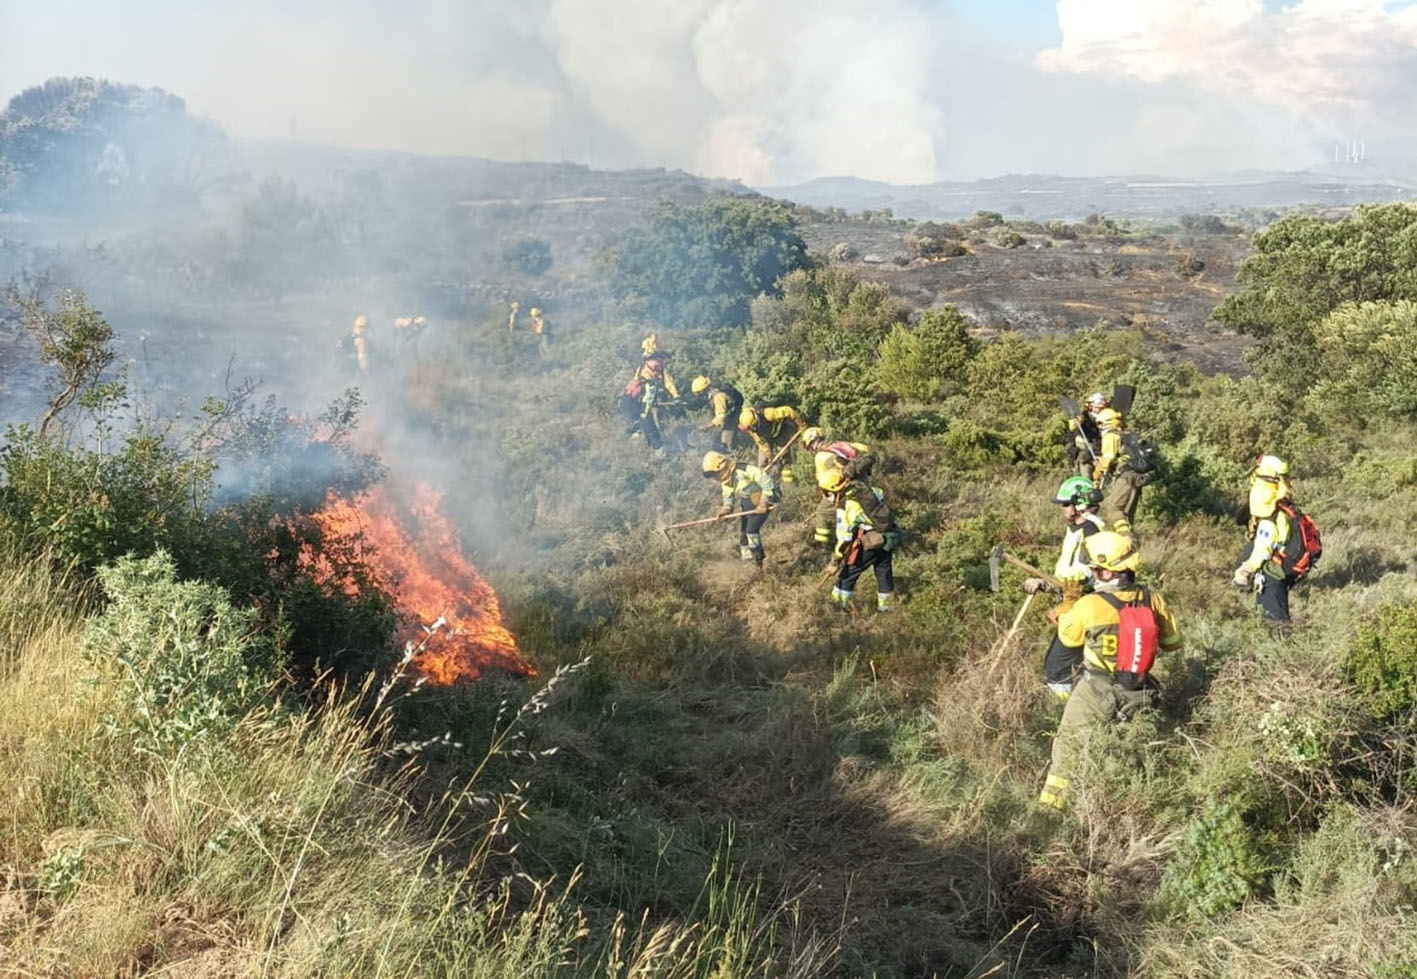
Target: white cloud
[(1336, 63)]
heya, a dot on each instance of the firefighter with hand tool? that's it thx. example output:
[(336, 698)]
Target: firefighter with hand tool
[(855, 461), (866, 537), (726, 401), (768, 427), (751, 489), (1118, 628), (1283, 542), (1078, 499)]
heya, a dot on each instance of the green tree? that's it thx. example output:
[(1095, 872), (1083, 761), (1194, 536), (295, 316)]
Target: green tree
[(74, 338), (928, 359), (1303, 268), (82, 145), (703, 265)]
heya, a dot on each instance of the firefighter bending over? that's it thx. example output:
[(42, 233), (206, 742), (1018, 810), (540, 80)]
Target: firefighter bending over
[(726, 401), (752, 490), (768, 427), (866, 537), (856, 462)]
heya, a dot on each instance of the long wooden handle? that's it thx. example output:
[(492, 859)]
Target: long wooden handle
[(1008, 637), (778, 458), (1037, 573), (707, 520)]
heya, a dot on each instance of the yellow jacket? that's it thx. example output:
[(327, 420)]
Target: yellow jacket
[(1110, 450), (1092, 624), (1271, 534), (750, 481), (755, 420)]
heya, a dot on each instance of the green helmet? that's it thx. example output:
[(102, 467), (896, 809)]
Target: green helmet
[(1077, 490)]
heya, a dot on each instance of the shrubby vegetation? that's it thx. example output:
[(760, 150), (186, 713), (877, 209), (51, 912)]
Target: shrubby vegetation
[(703, 265), (734, 767)]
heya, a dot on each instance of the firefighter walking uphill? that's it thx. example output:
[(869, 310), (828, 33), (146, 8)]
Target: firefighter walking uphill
[(1283, 542), (1117, 629), (751, 490), (1078, 499)]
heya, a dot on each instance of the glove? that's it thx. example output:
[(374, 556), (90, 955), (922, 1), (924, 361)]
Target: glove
[(1032, 586), (761, 508), (839, 551), (1072, 590), (1097, 473), (892, 540), (725, 510), (1241, 578)]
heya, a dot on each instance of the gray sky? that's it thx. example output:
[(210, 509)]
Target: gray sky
[(769, 91)]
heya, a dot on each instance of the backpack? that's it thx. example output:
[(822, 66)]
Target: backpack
[(1141, 453), (1136, 637), (1302, 548)]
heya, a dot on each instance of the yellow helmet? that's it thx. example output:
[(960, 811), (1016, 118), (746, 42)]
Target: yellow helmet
[(1111, 551), (716, 463), (831, 477), (536, 311), (1109, 419), (747, 418), (1271, 467), (361, 321), (811, 436), (699, 384), (650, 344)]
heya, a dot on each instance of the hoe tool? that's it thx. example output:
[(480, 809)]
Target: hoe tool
[(700, 523), (1072, 410), (998, 554), (995, 557)]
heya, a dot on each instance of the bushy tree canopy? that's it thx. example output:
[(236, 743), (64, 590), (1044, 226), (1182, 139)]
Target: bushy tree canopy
[(80, 145), (704, 265)]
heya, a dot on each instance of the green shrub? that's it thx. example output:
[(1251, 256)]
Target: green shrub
[(1215, 867), (1381, 662), (531, 256), (187, 664), (918, 362), (838, 395)]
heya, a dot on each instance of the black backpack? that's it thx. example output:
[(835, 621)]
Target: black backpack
[(1141, 453)]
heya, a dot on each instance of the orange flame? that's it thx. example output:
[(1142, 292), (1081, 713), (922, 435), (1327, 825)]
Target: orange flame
[(417, 558)]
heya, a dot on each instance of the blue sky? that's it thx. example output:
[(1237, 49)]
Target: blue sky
[(769, 91)]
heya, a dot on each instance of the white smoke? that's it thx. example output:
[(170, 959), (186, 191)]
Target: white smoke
[(762, 90)]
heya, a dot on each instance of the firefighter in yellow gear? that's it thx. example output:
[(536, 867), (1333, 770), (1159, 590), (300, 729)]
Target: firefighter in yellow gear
[(725, 401), (853, 458), (541, 330), (359, 335), (512, 317), (1112, 468), (653, 370), (1078, 499), (866, 537), (748, 488), (771, 427), (1261, 568), (1104, 693), (1086, 438)]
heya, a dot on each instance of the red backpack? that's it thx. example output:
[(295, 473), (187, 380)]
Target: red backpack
[(1302, 548), (1136, 634)]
